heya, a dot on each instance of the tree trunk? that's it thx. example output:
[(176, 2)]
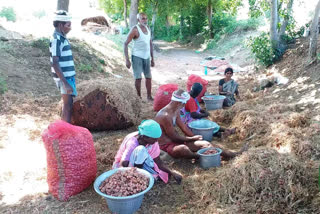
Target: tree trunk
[(167, 25), (209, 10), (133, 13), (286, 20), (314, 32), (125, 17), (153, 21), (181, 25), (154, 16), (63, 5), (273, 24)]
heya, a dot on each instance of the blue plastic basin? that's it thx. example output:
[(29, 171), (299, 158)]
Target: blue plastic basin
[(205, 128), (127, 204), (212, 160)]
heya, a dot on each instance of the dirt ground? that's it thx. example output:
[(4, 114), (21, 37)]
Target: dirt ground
[(32, 103)]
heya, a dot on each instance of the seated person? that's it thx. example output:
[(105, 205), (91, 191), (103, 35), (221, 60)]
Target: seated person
[(141, 149), (192, 111), (228, 87), (172, 142)]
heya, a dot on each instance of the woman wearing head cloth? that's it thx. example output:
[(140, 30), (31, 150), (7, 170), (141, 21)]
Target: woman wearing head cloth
[(141, 149), (192, 111)]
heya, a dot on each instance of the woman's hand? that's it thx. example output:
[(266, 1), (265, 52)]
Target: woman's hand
[(177, 177), (196, 137)]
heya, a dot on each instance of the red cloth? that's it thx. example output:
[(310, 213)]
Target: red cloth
[(191, 105), (168, 147)]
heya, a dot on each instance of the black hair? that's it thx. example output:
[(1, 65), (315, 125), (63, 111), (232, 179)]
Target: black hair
[(228, 70), (196, 89)]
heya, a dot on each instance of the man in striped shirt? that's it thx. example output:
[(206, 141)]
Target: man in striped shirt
[(62, 65)]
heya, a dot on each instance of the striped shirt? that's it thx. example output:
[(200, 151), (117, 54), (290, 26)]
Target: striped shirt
[(60, 47)]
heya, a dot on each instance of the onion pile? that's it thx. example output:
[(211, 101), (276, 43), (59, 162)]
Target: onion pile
[(124, 183), (210, 152)]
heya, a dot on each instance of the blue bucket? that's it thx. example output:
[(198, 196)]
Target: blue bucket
[(205, 128), (212, 160), (126, 204)]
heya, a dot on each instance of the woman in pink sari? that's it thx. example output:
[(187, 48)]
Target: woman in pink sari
[(141, 149)]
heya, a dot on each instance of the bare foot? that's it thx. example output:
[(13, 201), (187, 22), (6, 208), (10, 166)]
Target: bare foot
[(225, 134), (150, 98), (233, 130)]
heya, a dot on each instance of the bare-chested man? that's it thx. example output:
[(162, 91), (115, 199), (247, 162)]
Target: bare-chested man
[(176, 145)]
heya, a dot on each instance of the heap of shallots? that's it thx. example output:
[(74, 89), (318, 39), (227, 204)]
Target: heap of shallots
[(124, 183)]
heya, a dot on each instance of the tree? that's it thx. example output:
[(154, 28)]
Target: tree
[(155, 4), (273, 24), (133, 13), (209, 11), (314, 34), (63, 5), (125, 15)]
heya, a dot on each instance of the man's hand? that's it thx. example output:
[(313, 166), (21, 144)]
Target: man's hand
[(177, 177), (68, 88), (128, 63), (152, 62)]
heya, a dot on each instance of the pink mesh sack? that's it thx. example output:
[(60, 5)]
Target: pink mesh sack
[(71, 159), (163, 96)]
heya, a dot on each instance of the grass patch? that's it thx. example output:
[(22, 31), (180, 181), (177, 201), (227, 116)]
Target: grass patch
[(3, 85), (226, 44), (119, 40), (87, 59), (42, 43), (5, 46)]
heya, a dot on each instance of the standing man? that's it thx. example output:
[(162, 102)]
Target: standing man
[(141, 52), (62, 65)]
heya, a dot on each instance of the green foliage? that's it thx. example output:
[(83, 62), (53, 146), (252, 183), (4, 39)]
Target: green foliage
[(114, 8), (42, 43), (126, 30), (102, 61), (8, 13), (226, 24), (84, 68), (39, 13), (258, 7), (3, 85), (262, 49)]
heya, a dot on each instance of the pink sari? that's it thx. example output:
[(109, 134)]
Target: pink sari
[(129, 144)]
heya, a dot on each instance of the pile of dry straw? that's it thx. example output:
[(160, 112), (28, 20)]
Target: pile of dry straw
[(120, 94), (259, 181)]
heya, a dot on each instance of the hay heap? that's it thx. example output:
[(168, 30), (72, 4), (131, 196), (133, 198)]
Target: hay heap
[(260, 181), (108, 104)]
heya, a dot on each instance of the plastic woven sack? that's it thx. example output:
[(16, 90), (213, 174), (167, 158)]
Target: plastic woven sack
[(163, 96), (71, 159), (195, 78)]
